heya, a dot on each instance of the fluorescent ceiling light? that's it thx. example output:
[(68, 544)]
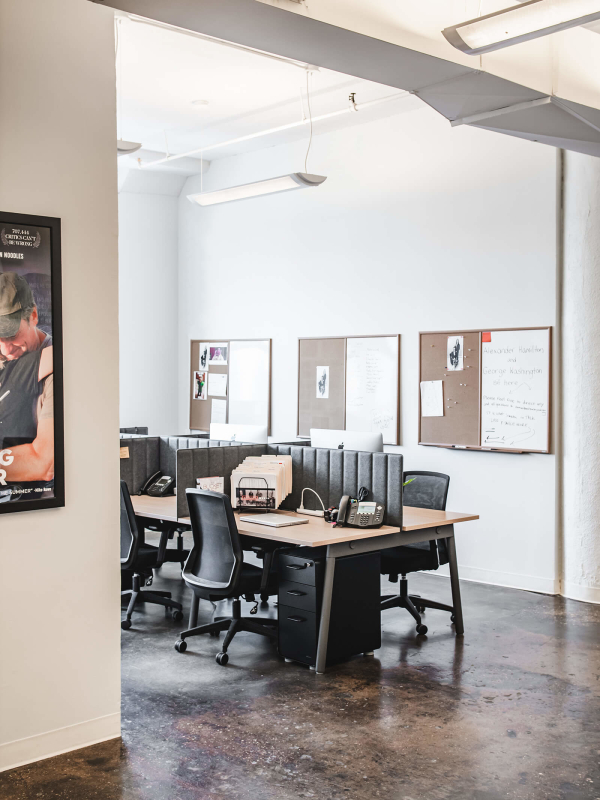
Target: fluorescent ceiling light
[(520, 23), (126, 148), (285, 183)]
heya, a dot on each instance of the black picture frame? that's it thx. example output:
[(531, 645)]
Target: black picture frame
[(54, 224)]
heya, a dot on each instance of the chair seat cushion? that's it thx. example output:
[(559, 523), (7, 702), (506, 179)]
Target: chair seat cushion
[(147, 556), (408, 558), (249, 583)]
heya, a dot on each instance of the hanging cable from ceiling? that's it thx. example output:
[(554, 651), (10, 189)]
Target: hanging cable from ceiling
[(309, 119)]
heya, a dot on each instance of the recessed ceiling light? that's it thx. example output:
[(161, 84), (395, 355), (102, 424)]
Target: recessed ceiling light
[(199, 102)]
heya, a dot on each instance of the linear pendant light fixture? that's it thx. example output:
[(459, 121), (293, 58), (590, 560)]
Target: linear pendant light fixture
[(285, 183), (520, 24)]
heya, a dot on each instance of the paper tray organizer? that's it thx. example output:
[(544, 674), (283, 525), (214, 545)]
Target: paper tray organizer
[(253, 496)]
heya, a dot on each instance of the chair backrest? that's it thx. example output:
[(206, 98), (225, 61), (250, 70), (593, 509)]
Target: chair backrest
[(427, 490), (130, 534), (216, 558)]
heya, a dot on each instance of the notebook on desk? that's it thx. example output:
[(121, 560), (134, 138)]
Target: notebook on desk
[(274, 520)]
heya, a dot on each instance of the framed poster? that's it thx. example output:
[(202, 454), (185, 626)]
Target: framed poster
[(31, 374)]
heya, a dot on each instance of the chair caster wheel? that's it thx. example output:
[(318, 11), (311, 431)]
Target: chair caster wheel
[(181, 646), (177, 615), (452, 618), (264, 598), (126, 624), (421, 609), (421, 630), (222, 659), (215, 634)]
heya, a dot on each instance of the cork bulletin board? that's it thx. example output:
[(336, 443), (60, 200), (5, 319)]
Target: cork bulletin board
[(246, 365), (350, 383), (492, 389)]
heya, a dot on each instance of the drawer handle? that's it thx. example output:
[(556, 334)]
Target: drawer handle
[(297, 619), (296, 593), (297, 566)]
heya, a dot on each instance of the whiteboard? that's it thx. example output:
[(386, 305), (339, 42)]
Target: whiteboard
[(249, 382), (515, 389), (372, 386)]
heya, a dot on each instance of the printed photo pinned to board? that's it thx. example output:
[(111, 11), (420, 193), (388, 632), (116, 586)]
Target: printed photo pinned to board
[(322, 383), (217, 355), (455, 353), (203, 356), (199, 384)]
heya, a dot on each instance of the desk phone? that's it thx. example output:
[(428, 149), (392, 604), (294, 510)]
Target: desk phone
[(355, 513)]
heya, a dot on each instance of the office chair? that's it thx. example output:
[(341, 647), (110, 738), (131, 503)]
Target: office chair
[(427, 490), (215, 570), (137, 561)]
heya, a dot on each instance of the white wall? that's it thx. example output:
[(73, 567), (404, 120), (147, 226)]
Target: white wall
[(148, 310), (418, 227), (59, 569), (581, 377)]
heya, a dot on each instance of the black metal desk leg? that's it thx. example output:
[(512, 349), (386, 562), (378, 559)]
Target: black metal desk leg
[(325, 614), (454, 583)]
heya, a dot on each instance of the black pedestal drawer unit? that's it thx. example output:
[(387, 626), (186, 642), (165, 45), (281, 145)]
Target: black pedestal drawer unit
[(355, 620)]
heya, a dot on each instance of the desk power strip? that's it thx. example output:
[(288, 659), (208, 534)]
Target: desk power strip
[(310, 512)]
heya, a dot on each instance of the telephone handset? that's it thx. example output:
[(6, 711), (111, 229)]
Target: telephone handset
[(355, 513), (158, 485)]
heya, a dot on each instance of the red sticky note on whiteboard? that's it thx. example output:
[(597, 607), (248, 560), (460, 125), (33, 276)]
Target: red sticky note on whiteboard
[(486, 336)]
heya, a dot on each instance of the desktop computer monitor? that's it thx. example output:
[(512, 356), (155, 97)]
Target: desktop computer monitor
[(350, 440), (257, 434)]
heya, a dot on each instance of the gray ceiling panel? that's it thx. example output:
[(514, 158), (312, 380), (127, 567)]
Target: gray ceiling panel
[(473, 94), (284, 33)]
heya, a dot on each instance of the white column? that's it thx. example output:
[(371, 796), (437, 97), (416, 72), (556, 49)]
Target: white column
[(581, 378)]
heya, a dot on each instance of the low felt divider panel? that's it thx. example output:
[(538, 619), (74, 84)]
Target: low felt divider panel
[(214, 459), (143, 461), (334, 473)]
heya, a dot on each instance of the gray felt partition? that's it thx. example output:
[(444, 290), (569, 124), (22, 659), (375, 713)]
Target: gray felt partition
[(334, 473), (149, 454), (331, 473), (208, 462)]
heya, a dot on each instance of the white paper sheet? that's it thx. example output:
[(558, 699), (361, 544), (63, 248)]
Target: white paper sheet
[(455, 353), (432, 398), (217, 385), (322, 383), (218, 411)]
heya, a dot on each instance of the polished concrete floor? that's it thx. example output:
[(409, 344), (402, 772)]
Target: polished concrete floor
[(509, 711)]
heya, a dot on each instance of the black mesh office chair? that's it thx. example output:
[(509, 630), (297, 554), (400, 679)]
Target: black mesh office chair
[(427, 490), (215, 570), (137, 561)]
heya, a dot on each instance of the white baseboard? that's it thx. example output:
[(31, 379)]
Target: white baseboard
[(61, 740), (529, 583), (588, 594)]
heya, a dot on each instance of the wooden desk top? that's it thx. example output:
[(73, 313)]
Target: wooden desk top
[(315, 533)]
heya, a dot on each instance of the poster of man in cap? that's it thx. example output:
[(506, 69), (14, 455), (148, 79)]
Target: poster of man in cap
[(28, 446)]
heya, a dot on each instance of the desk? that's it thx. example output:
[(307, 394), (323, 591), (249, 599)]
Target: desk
[(418, 525)]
